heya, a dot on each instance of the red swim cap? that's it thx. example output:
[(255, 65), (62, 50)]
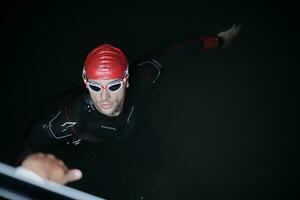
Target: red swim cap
[(105, 62)]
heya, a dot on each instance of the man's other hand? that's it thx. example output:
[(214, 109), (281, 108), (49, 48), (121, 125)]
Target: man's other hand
[(230, 34)]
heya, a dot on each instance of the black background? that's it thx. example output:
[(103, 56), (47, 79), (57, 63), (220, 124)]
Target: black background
[(225, 120)]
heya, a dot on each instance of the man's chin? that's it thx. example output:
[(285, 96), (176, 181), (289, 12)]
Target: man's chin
[(108, 112)]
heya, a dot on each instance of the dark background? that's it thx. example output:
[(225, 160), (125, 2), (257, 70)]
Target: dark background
[(224, 121)]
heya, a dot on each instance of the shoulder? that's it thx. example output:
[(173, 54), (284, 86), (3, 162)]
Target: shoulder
[(60, 101)]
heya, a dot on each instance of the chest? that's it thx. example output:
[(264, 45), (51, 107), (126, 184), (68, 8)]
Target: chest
[(92, 124)]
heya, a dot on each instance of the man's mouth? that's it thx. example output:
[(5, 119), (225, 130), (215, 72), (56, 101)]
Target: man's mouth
[(106, 105)]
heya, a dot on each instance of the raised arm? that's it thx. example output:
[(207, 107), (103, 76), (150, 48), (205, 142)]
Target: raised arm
[(149, 67), (203, 43)]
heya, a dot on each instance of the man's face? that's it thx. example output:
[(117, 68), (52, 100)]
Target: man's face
[(110, 99)]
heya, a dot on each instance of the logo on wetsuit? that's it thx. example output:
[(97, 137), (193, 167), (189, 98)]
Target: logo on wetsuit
[(110, 128), (68, 125)]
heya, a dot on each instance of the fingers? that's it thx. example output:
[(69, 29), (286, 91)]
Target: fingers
[(56, 161), (232, 28), (63, 173), (50, 156), (72, 175), (236, 28), (240, 25)]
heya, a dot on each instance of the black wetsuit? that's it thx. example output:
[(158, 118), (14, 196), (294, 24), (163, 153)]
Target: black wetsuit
[(75, 118)]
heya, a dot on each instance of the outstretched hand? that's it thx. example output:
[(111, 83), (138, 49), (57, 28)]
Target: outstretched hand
[(230, 34), (49, 167)]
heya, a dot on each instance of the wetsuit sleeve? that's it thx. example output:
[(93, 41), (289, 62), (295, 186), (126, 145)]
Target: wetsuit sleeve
[(150, 67), (51, 127)]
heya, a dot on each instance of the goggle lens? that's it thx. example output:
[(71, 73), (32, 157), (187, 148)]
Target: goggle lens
[(114, 87), (94, 88)]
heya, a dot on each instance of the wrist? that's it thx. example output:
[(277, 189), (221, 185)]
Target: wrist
[(210, 42)]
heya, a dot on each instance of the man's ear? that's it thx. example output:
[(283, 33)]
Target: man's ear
[(126, 81), (84, 76), (84, 81)]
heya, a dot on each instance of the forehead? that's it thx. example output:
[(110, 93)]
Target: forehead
[(104, 82)]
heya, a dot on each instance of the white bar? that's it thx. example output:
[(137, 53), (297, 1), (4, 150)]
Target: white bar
[(47, 185)]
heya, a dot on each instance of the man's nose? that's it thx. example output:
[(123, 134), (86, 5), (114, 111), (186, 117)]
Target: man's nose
[(104, 95)]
